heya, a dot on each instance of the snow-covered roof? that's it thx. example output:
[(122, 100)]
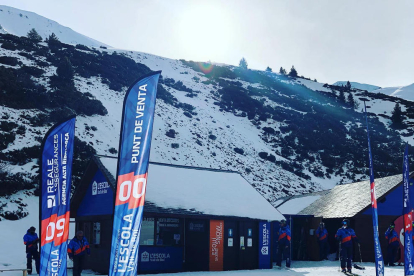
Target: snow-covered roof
[(202, 191), (293, 205), (341, 201)]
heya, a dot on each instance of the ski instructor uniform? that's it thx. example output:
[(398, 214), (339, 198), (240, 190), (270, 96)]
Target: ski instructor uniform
[(31, 240), (322, 236), (283, 244), (345, 235), (393, 244), (77, 248)]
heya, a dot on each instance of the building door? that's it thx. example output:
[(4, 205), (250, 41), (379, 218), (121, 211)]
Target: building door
[(231, 245), (196, 245), (248, 248)]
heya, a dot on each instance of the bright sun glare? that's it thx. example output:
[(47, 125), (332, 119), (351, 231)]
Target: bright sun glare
[(205, 32)]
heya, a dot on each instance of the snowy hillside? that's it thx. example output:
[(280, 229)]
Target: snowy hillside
[(357, 85), (404, 92), (19, 22), (284, 135)]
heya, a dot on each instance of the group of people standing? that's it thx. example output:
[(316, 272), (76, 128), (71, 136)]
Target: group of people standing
[(345, 236), (78, 248)]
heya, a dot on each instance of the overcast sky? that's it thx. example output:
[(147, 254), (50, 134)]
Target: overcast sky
[(365, 41)]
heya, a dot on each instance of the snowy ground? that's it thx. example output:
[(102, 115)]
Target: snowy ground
[(325, 268)]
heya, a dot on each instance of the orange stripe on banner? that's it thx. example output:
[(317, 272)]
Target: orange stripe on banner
[(55, 229), (216, 245), (131, 189)]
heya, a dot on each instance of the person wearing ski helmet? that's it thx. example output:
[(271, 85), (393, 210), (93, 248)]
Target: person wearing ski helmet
[(31, 240), (283, 244), (322, 236), (392, 237), (346, 235)]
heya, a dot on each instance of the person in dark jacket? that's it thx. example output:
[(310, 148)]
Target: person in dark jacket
[(393, 244), (322, 236), (77, 248), (283, 244), (346, 235), (31, 240)]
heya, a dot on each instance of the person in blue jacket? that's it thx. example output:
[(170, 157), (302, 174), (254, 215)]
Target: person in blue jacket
[(322, 236), (31, 240), (77, 248), (283, 244), (346, 235), (393, 243)]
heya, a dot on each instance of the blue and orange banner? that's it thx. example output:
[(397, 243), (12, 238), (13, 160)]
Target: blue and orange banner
[(379, 259), (408, 220), (132, 172), (54, 207)]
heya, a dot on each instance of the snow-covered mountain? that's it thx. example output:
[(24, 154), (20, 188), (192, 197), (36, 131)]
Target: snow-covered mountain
[(284, 135), (19, 22), (404, 92), (357, 85)]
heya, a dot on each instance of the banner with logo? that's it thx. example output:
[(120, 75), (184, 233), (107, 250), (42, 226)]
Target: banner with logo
[(54, 207), (264, 245), (167, 258), (216, 245), (132, 172), (99, 198), (379, 260), (408, 220)]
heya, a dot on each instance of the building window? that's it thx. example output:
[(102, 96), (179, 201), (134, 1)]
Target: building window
[(168, 232), (147, 232), (96, 236)]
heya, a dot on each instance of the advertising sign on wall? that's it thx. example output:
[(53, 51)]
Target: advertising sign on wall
[(264, 245), (160, 258), (216, 245)]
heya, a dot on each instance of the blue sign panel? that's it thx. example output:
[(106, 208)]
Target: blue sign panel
[(264, 245), (160, 258), (230, 232), (99, 198)]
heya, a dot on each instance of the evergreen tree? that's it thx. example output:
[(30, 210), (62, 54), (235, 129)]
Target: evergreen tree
[(293, 72), (34, 35), (351, 100), (268, 69), (397, 117), (282, 71), (52, 40), (243, 63), (348, 86), (65, 72), (341, 96)]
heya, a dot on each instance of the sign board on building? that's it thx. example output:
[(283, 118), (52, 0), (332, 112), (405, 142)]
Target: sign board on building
[(264, 245), (216, 245)]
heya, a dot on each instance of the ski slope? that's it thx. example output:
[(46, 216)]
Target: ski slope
[(404, 92), (357, 85), (19, 22)]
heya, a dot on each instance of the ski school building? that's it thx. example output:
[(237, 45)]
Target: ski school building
[(351, 201), (194, 219)]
